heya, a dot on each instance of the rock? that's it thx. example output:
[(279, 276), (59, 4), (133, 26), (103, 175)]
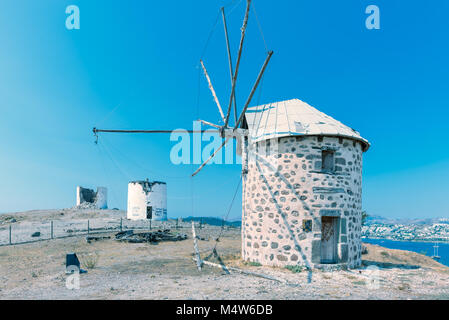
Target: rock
[(364, 250), (36, 234), (89, 239), (151, 237)]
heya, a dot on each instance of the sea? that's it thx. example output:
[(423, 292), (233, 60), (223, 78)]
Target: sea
[(419, 247)]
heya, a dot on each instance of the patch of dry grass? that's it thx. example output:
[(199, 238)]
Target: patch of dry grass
[(89, 260)]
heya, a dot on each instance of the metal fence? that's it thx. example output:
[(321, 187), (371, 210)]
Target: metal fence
[(28, 232)]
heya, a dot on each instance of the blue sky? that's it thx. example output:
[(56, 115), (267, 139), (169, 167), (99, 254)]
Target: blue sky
[(134, 64)]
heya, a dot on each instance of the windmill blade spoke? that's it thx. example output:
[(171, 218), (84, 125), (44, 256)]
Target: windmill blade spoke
[(210, 124), (254, 89), (95, 131), (231, 69), (234, 79), (212, 90), (210, 158)]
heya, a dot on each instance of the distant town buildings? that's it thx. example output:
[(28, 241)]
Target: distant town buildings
[(437, 231)]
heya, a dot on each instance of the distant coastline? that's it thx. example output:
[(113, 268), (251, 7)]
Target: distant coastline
[(422, 247), (406, 240)]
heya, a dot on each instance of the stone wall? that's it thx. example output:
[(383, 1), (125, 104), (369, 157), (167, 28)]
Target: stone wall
[(286, 193), (88, 198)]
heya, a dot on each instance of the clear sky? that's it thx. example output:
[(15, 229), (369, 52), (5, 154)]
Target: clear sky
[(134, 65)]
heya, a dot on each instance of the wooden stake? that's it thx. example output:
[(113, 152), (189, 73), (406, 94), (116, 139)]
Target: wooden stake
[(195, 246), (250, 273)]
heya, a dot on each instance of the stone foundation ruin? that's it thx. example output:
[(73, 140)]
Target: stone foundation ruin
[(89, 199)]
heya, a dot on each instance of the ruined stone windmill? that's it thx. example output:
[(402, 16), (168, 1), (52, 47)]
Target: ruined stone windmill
[(301, 178)]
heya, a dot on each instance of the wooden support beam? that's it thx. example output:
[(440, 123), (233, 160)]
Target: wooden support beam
[(95, 131), (213, 155), (231, 69), (210, 124), (212, 90), (248, 101), (239, 55)]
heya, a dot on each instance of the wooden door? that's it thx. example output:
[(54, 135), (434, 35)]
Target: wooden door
[(329, 239)]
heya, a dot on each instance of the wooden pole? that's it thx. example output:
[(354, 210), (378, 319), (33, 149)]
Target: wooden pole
[(212, 90), (10, 232), (239, 55), (95, 130), (150, 224), (195, 246), (210, 124), (231, 69), (213, 155), (121, 224), (52, 229), (254, 88)]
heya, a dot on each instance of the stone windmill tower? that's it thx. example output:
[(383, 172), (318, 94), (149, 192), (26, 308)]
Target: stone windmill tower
[(301, 172), (302, 190)]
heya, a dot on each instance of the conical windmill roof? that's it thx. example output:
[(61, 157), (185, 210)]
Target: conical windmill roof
[(295, 118)]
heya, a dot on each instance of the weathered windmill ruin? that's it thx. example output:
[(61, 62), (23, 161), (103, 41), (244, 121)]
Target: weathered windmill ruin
[(301, 177)]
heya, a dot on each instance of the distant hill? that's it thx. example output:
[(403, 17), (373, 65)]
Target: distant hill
[(214, 221)]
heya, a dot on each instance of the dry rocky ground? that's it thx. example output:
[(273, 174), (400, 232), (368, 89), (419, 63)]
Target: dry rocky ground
[(120, 270)]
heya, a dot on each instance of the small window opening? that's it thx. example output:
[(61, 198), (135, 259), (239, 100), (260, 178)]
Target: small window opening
[(327, 160)]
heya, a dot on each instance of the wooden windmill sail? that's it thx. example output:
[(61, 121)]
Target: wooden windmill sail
[(227, 132)]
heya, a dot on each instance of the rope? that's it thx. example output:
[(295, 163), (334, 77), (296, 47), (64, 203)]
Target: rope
[(227, 214), (233, 8), (129, 159), (108, 153), (260, 27), (114, 195)]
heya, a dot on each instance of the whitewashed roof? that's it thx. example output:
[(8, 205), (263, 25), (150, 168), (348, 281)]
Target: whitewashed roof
[(295, 117)]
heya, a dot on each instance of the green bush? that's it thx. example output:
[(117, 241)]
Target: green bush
[(295, 269)]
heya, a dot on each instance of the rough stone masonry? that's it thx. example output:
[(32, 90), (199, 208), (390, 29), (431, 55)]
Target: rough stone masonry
[(288, 193)]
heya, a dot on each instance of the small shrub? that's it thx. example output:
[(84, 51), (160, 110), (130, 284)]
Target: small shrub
[(89, 261), (295, 269), (359, 283), (385, 254), (404, 286), (254, 264)]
